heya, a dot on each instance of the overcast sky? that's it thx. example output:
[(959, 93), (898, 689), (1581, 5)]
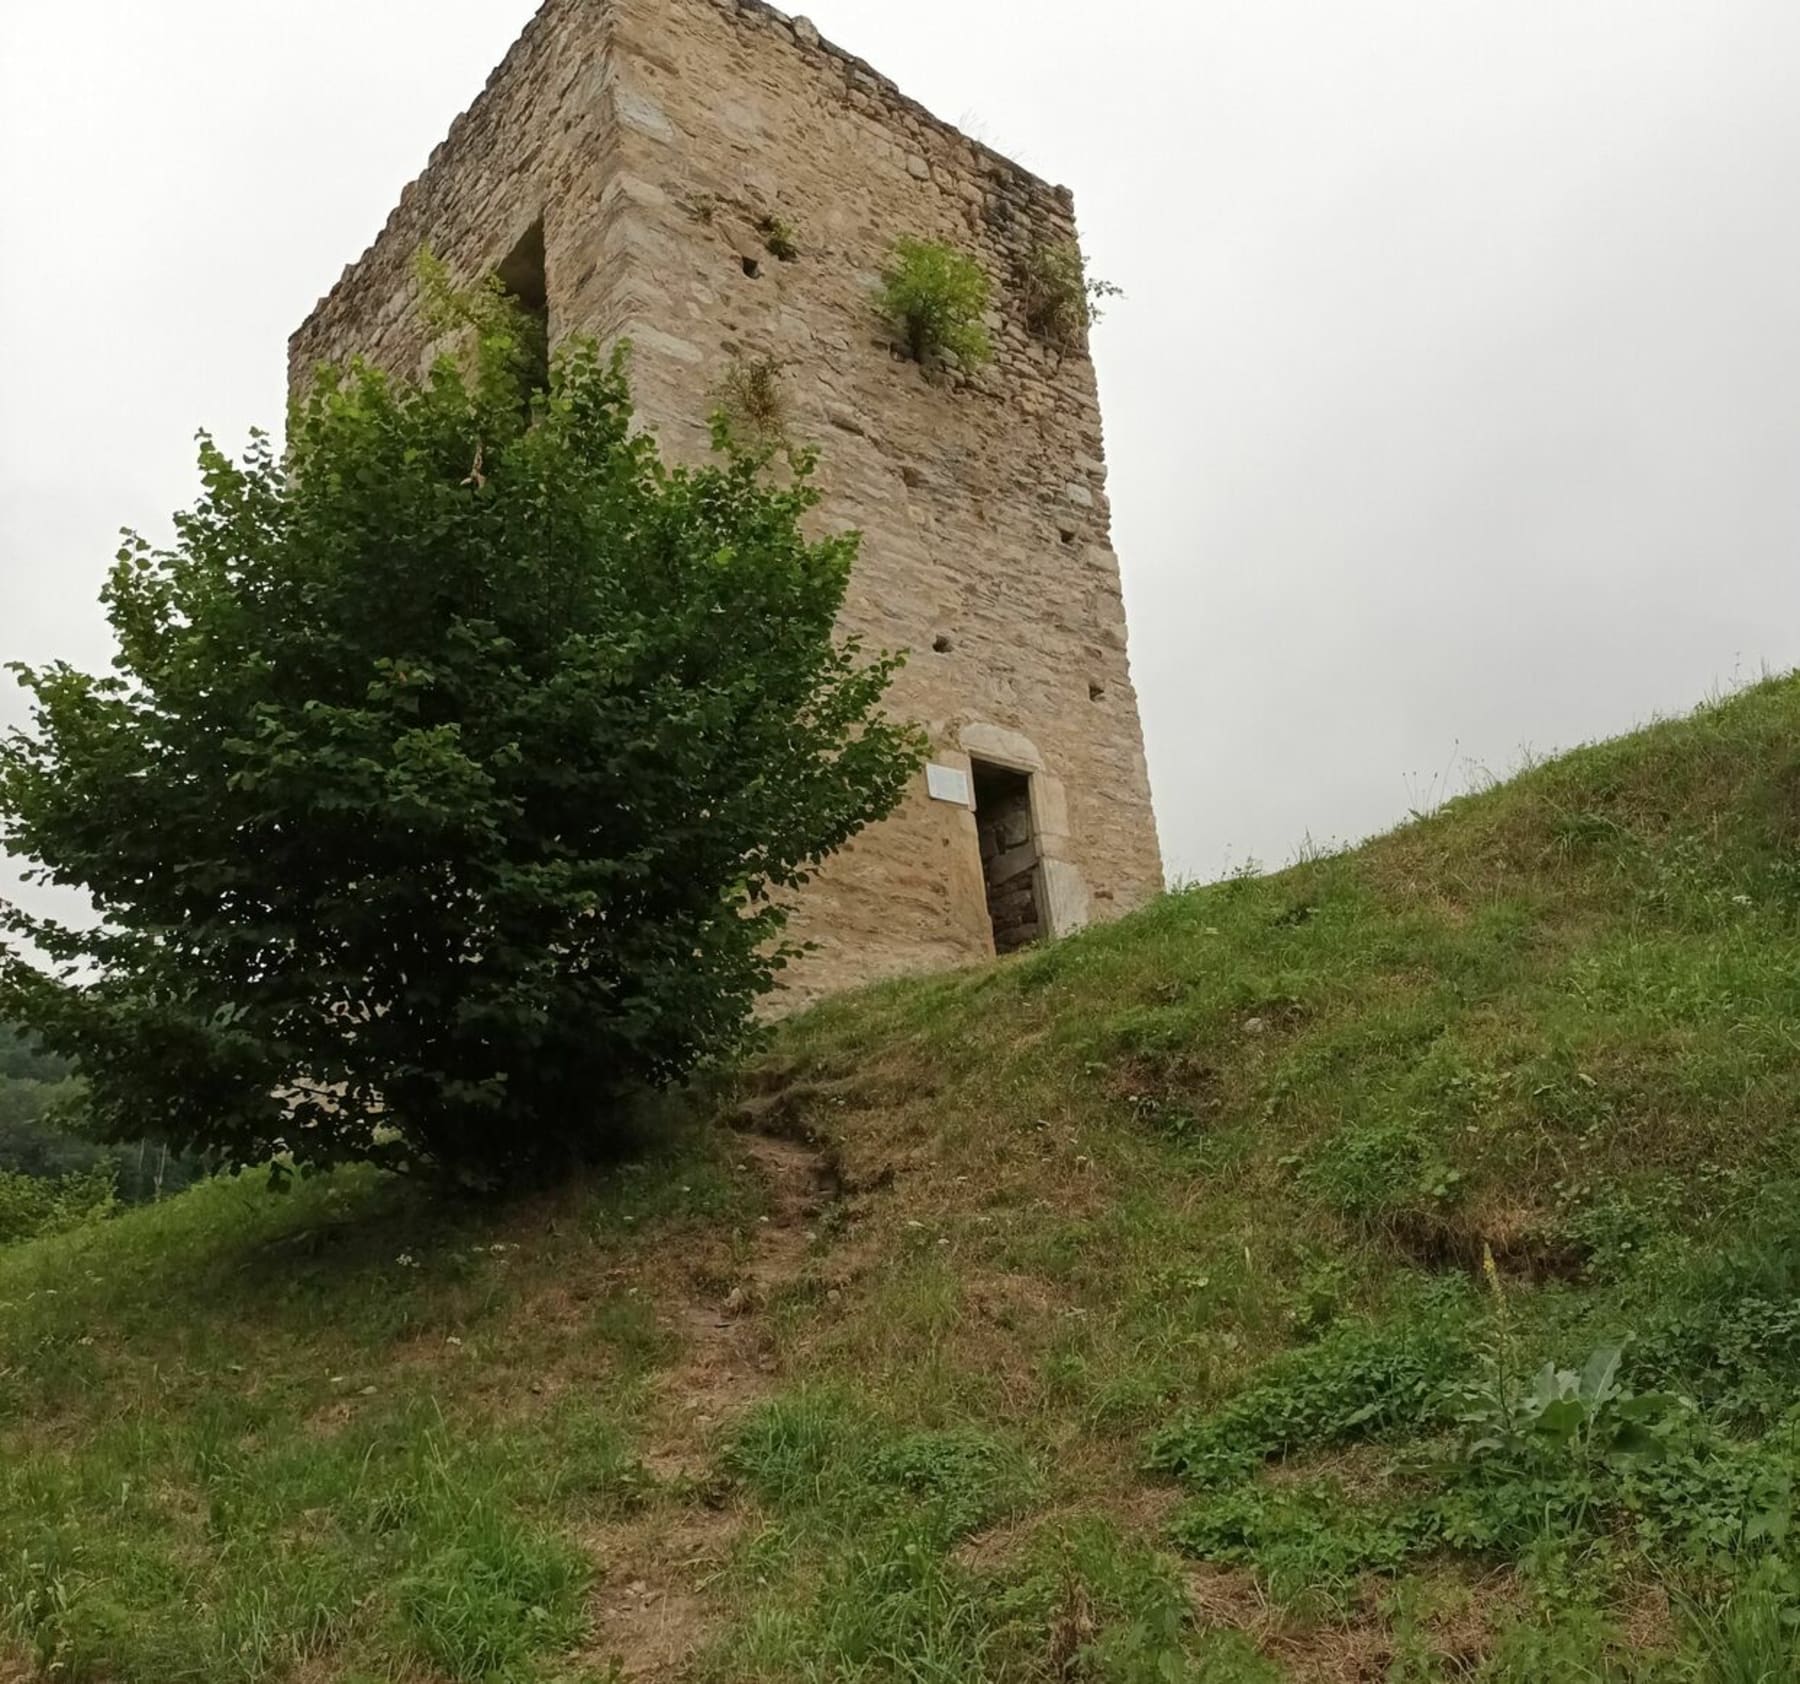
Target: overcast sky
[(1454, 409)]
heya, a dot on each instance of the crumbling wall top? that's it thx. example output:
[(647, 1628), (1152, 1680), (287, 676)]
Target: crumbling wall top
[(561, 39)]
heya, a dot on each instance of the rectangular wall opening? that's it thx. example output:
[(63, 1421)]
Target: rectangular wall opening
[(522, 277), (1009, 854)]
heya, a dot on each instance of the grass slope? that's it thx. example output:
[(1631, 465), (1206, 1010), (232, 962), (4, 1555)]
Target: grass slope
[(1382, 1269)]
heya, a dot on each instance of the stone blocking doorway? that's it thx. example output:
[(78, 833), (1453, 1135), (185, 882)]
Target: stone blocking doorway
[(1009, 855)]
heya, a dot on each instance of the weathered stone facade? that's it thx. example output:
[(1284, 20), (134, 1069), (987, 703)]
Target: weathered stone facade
[(657, 142)]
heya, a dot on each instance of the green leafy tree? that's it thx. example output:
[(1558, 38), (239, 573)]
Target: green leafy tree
[(937, 296), (451, 779)]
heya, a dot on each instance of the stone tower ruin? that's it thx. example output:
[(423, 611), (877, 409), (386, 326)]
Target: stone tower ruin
[(712, 180)]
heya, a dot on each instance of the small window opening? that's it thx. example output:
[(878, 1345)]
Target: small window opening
[(1009, 854), (1096, 690), (751, 267), (1068, 535), (941, 644), (523, 279)]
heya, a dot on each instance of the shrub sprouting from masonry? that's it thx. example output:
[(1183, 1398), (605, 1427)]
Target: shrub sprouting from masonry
[(752, 403), (1062, 301), (450, 779), (779, 239), (935, 296)]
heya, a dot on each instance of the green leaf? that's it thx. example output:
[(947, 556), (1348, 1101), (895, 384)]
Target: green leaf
[(1599, 1372)]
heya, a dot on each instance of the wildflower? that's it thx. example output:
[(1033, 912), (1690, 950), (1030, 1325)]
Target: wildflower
[(1490, 1271)]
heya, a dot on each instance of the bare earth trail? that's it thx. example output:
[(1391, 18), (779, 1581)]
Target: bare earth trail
[(729, 1356), (650, 1612)]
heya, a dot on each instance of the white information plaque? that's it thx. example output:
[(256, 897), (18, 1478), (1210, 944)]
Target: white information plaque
[(947, 783)]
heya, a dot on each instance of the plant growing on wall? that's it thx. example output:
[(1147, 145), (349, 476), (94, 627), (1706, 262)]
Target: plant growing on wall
[(936, 296), (494, 340), (779, 239), (452, 770), (752, 403), (1061, 300)]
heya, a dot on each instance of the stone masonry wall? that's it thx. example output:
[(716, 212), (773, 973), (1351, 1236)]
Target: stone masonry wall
[(653, 136), (537, 143)]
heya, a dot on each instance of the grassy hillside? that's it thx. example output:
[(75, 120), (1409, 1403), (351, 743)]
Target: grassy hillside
[(1171, 1303)]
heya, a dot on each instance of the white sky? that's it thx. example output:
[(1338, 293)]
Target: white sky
[(1454, 409)]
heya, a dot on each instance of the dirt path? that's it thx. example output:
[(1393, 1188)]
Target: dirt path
[(649, 1610), (730, 1356)]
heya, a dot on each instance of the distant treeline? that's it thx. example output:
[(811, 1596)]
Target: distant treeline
[(40, 1116)]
